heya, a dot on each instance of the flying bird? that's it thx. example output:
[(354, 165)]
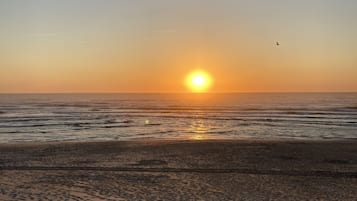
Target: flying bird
[(277, 43)]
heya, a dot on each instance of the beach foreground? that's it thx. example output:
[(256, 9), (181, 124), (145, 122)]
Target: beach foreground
[(180, 170)]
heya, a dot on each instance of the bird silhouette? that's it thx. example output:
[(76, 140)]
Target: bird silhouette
[(277, 43)]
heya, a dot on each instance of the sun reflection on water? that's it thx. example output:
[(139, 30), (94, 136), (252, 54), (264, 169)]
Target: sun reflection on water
[(198, 128), (197, 137)]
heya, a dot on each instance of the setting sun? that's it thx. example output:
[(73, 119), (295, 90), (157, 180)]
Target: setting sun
[(199, 81)]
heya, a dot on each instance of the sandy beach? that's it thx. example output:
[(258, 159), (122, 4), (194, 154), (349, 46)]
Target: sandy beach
[(178, 100), (180, 170)]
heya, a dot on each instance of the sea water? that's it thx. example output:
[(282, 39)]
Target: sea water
[(93, 117)]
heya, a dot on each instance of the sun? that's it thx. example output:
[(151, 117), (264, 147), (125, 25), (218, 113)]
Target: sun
[(199, 81)]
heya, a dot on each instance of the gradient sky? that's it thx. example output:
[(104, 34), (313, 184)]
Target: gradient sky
[(150, 46)]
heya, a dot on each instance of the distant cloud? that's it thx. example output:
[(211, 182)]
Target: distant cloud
[(165, 31), (42, 35)]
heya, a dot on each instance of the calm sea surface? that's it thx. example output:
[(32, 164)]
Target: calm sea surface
[(88, 117)]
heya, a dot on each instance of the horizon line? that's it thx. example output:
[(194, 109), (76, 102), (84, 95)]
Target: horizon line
[(233, 92)]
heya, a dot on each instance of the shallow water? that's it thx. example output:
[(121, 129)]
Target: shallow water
[(87, 117)]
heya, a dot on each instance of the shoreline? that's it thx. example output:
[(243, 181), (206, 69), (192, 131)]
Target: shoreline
[(181, 140)]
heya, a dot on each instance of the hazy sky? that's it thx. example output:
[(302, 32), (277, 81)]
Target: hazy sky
[(150, 46)]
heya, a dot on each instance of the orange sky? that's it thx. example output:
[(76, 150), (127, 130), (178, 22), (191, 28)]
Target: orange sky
[(128, 46)]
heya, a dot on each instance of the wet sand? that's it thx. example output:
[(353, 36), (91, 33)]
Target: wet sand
[(180, 170)]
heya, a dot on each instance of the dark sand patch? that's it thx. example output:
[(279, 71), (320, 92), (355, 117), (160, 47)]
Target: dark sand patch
[(336, 161), (150, 162)]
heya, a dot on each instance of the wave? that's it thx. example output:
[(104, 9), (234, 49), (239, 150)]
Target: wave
[(115, 126), (352, 107), (111, 118), (86, 117)]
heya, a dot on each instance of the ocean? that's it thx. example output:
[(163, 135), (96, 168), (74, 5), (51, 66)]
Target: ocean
[(98, 117)]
